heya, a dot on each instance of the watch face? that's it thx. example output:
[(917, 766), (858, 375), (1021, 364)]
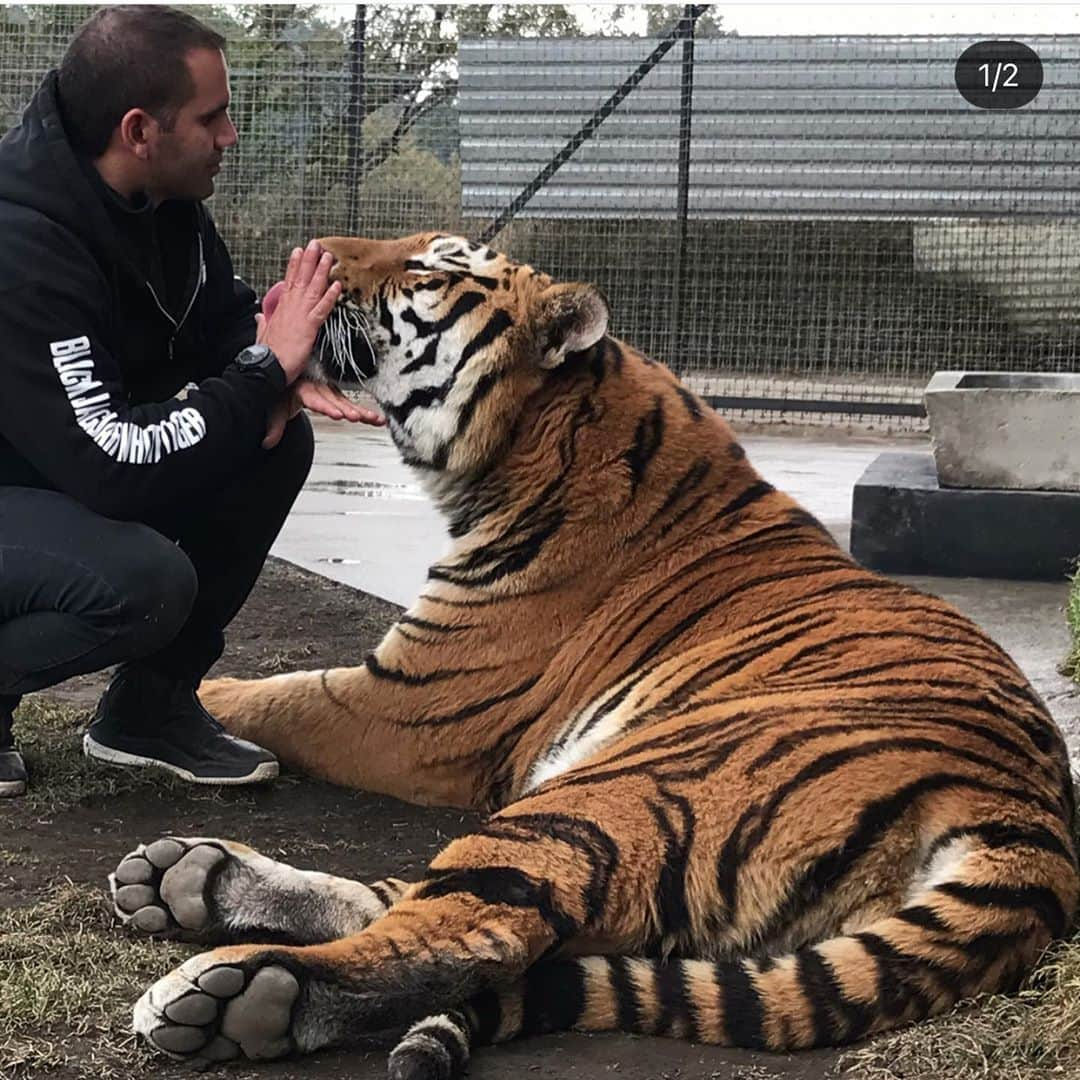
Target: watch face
[(254, 355)]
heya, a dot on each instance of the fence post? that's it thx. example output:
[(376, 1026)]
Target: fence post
[(691, 13), (686, 113), (354, 120)]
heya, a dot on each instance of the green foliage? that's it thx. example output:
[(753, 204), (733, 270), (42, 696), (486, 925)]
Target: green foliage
[(662, 17), (58, 21), (264, 22)]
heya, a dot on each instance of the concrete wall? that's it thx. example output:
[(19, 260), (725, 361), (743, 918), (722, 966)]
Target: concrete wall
[(1031, 268)]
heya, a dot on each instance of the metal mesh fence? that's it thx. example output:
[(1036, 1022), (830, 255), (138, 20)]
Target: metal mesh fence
[(848, 223)]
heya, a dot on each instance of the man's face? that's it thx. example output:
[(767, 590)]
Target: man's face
[(184, 161)]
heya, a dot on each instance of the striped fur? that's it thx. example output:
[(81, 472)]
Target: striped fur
[(741, 789)]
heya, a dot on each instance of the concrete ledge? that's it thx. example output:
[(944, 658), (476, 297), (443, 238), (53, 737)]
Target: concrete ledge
[(1014, 430), (904, 522)]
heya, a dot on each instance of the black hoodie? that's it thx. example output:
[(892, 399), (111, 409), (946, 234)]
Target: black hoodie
[(107, 311)]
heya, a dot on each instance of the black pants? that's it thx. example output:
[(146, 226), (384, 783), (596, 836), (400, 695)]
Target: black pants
[(79, 592)]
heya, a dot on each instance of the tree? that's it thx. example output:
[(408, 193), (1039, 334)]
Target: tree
[(662, 17), (414, 49)]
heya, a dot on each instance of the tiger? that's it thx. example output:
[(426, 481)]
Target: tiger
[(738, 789)]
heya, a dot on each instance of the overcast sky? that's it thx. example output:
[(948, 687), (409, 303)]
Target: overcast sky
[(869, 17), (885, 18), (878, 17)]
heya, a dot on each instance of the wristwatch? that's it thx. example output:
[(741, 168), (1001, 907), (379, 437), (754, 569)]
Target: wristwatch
[(255, 358)]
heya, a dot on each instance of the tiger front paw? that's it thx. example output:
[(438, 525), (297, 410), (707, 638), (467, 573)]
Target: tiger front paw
[(222, 1005), (167, 885)]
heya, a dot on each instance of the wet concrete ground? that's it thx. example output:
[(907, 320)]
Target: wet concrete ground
[(364, 520)]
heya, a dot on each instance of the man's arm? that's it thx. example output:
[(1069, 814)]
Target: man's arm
[(63, 406), (230, 303)]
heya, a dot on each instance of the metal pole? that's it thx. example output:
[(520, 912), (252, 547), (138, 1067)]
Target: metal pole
[(354, 120), (686, 113), (494, 227)]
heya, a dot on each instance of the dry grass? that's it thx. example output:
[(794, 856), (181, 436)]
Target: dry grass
[(1071, 666), (1033, 1035), (68, 977), (50, 737), (69, 974)]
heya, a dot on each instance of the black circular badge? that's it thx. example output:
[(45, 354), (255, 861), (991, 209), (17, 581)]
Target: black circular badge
[(999, 74)]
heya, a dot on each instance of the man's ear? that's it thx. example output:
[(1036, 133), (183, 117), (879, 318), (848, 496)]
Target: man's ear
[(136, 129), (569, 318)]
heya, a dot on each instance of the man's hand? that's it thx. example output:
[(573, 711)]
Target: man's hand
[(305, 394), (319, 398), (301, 304), (270, 302)]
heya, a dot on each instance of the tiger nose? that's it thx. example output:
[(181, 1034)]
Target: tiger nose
[(363, 254)]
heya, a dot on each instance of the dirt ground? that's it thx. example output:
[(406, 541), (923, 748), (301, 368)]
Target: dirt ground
[(295, 619)]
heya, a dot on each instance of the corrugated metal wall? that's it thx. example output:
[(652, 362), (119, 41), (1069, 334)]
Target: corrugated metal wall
[(854, 223), (806, 127)]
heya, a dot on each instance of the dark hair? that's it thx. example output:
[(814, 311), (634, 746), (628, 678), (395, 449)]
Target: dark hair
[(126, 58)]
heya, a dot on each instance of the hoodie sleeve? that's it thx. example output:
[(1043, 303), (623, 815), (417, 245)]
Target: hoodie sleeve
[(64, 408), (231, 303)]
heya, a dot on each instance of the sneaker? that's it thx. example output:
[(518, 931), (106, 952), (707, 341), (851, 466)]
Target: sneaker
[(12, 774), (12, 766), (146, 719)]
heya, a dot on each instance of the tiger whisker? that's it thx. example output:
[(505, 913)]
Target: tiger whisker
[(345, 324)]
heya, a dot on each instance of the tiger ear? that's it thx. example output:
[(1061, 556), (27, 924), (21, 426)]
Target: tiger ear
[(570, 318)]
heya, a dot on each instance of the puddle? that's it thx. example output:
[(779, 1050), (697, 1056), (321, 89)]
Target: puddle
[(370, 489)]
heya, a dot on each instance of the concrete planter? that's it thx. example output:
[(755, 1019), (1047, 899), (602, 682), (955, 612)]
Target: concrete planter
[(1005, 430)]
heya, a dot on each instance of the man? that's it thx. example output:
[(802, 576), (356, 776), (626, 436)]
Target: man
[(149, 452)]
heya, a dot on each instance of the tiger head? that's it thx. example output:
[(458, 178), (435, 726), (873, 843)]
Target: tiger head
[(451, 338)]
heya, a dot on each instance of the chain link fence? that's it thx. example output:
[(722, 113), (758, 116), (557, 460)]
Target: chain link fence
[(804, 228)]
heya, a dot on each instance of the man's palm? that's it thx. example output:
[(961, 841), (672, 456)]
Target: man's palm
[(304, 394)]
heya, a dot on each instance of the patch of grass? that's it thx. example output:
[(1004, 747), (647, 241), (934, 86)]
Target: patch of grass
[(49, 734), (68, 980), (1071, 666), (21, 857), (1033, 1035), (290, 660)]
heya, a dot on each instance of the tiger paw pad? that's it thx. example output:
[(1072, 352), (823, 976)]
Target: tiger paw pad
[(207, 1014)]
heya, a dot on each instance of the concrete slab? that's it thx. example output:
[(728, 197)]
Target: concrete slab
[(905, 521), (999, 429), (364, 520)]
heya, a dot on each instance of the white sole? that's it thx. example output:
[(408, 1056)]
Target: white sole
[(11, 788), (266, 770)]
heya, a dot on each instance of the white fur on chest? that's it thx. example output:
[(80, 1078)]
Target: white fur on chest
[(578, 741)]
